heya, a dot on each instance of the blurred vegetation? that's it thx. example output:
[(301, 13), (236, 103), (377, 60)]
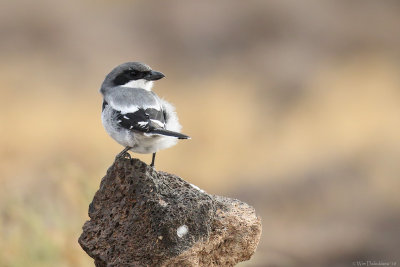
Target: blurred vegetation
[(292, 107)]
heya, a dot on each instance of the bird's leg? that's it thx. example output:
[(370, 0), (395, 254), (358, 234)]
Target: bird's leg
[(124, 153), (153, 159)]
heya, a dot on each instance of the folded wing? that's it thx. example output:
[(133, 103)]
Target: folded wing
[(149, 120)]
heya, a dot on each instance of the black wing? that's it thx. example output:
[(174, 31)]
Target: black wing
[(144, 120), (148, 120)]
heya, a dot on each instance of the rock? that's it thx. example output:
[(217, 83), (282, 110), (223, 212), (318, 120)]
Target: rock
[(143, 217)]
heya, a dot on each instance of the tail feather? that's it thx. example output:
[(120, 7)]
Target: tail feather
[(170, 133)]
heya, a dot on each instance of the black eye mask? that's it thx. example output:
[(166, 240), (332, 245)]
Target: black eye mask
[(129, 75)]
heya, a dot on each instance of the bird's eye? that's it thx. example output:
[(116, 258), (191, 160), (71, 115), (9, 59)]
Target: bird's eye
[(133, 73)]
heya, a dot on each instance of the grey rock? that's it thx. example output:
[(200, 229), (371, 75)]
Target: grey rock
[(144, 217)]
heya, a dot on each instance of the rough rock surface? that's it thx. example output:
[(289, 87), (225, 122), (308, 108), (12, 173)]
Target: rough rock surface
[(143, 217)]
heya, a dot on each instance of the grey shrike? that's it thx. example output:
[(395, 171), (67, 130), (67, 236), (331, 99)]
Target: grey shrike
[(133, 115)]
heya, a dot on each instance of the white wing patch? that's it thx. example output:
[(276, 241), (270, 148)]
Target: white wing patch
[(159, 123), (142, 123)]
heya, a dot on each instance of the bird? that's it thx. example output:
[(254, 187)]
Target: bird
[(133, 115)]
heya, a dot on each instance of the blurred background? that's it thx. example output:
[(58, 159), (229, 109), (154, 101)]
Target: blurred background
[(292, 106)]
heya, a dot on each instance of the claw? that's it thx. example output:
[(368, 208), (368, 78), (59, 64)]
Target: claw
[(124, 154)]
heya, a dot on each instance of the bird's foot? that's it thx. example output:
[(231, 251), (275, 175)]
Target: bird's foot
[(124, 154)]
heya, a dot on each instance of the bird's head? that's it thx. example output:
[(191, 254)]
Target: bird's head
[(133, 75)]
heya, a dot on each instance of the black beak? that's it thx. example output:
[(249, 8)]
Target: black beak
[(154, 76)]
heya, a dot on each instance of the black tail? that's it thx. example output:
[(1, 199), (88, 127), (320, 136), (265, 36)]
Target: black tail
[(170, 133)]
